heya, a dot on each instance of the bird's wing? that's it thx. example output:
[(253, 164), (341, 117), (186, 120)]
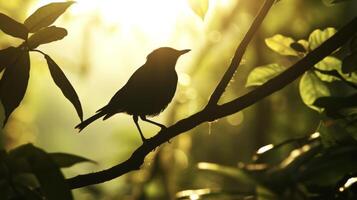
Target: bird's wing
[(127, 92)]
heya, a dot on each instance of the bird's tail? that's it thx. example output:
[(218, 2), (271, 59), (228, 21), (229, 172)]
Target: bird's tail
[(86, 122)]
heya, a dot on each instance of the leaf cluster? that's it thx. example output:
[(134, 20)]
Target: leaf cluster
[(15, 61), (28, 172)]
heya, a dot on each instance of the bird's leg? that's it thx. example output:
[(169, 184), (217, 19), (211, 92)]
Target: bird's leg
[(135, 118), (152, 122)]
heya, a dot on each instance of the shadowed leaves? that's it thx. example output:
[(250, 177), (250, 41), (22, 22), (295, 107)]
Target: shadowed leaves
[(46, 35), (46, 15), (46, 171), (62, 82), (336, 107), (7, 57), (12, 27), (298, 47), (13, 84), (67, 160), (332, 2)]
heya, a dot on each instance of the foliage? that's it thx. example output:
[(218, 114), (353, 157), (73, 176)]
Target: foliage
[(28, 172), (320, 165), (16, 61)]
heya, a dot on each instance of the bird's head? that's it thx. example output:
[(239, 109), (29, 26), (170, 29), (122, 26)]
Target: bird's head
[(165, 57)]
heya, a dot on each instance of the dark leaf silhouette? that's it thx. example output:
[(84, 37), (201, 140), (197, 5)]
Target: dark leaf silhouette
[(67, 160), (337, 102), (298, 47), (353, 44), (63, 83), (7, 57), (46, 171), (46, 35), (332, 2), (349, 64), (12, 27), (46, 15), (14, 83)]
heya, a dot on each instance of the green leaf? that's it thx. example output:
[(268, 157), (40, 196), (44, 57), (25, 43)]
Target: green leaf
[(67, 160), (311, 88), (63, 83), (46, 35), (349, 63), (14, 82), (317, 37), (260, 75), (199, 7), (12, 27), (7, 57), (52, 181), (329, 63), (46, 15), (281, 44)]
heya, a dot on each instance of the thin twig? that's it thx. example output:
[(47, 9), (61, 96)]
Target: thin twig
[(209, 114), (222, 85)]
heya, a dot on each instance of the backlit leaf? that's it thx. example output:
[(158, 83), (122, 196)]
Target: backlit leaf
[(46, 35), (317, 37), (311, 88), (12, 27), (262, 74), (200, 7), (327, 64), (63, 83), (14, 82), (281, 44), (46, 15)]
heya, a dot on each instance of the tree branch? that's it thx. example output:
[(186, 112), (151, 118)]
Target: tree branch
[(216, 112), (222, 85)]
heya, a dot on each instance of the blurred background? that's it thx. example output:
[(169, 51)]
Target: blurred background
[(109, 39)]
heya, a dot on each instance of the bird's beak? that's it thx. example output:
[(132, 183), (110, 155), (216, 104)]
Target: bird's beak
[(184, 51)]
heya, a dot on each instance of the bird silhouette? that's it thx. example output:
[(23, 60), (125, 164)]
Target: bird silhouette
[(147, 92)]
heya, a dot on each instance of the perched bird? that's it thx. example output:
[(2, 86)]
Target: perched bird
[(148, 91)]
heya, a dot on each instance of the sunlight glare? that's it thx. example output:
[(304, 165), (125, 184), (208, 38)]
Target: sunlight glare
[(155, 18)]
